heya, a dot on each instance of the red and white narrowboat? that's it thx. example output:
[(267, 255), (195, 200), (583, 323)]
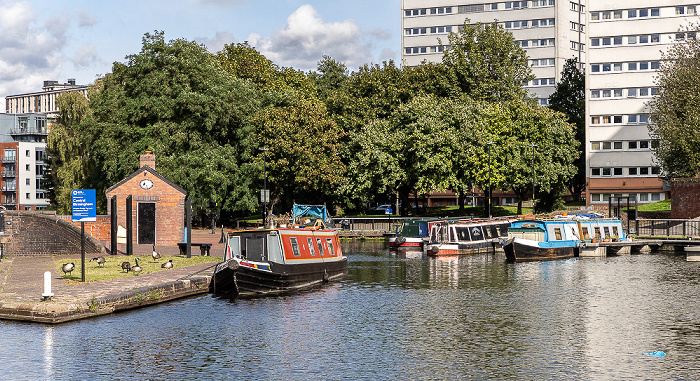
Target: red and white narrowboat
[(279, 260)]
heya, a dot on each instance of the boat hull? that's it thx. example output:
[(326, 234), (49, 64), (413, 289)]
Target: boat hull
[(517, 251), (406, 243), (441, 249), (244, 279)]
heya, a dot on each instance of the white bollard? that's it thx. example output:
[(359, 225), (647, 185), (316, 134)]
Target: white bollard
[(47, 286)]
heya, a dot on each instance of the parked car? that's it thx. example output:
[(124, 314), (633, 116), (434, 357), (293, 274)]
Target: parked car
[(382, 208)]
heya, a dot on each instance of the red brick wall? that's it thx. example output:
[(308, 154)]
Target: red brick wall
[(170, 207), (684, 197), (99, 229)]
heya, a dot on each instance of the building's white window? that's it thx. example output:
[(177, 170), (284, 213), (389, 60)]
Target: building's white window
[(544, 101)]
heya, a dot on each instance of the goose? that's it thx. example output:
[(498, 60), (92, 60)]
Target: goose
[(68, 268), (126, 266), (167, 265), (136, 269), (100, 261), (155, 254)]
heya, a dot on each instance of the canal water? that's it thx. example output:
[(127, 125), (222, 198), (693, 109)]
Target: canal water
[(399, 317)]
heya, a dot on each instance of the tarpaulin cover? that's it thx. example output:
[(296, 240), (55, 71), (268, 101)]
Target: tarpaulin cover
[(317, 211)]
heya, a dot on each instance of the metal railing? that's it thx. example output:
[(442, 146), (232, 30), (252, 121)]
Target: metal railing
[(375, 225), (8, 173), (9, 159), (676, 228)]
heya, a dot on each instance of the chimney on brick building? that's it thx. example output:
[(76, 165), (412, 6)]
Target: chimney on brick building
[(148, 159)]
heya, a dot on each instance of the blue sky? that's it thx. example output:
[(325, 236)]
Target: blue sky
[(56, 40)]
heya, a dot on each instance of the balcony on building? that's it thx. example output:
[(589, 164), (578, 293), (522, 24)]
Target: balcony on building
[(9, 159), (8, 188), (10, 173)]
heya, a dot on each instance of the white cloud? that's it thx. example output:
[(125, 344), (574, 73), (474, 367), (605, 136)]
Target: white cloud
[(217, 43), (306, 38), (29, 51), (85, 19)]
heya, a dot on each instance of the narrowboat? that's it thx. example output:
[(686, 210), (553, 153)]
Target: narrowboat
[(466, 236), (411, 234), (557, 238), (301, 254)]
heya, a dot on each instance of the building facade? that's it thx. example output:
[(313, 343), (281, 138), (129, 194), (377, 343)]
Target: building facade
[(626, 39), (24, 170), (43, 101), (549, 31)]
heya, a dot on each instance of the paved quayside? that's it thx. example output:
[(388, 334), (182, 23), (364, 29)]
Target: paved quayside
[(21, 286)]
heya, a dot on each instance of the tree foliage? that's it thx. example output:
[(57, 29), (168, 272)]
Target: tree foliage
[(674, 113), (485, 63), (569, 98), (174, 99)]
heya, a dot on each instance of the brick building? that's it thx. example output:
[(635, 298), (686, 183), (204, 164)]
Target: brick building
[(158, 205)]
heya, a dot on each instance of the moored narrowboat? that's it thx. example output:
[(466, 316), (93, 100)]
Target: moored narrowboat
[(411, 234), (466, 236), (557, 238), (279, 259)]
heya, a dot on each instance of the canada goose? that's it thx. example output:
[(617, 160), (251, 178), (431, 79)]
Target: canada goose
[(68, 268), (167, 265), (126, 266), (100, 261), (155, 254), (136, 269)]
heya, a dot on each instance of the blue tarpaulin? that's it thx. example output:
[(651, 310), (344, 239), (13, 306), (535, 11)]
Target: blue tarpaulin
[(316, 211)]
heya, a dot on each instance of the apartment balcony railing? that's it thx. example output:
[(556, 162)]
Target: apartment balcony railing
[(28, 131), (8, 173), (9, 201), (9, 159), (9, 188)]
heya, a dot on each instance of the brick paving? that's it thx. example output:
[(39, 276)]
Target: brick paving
[(22, 278)]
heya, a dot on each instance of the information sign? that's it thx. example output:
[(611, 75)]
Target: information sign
[(84, 205)]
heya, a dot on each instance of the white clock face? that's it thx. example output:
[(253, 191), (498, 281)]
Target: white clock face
[(146, 184)]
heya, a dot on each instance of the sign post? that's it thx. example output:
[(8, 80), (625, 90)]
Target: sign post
[(83, 209)]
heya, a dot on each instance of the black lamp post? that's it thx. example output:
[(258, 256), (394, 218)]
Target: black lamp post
[(533, 145), (489, 197)]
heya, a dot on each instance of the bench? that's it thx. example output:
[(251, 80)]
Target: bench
[(203, 247)]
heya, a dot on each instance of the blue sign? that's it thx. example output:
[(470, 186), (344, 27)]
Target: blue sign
[(84, 205), (388, 211)]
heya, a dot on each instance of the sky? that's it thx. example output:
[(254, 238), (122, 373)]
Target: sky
[(81, 39)]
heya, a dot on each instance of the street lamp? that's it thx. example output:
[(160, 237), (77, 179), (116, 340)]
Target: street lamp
[(489, 199), (533, 145), (265, 194)]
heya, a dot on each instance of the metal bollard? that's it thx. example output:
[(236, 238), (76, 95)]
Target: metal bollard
[(47, 286)]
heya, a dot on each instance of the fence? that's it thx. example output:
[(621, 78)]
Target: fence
[(369, 225), (667, 227)]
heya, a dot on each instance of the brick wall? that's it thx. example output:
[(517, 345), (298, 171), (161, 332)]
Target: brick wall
[(99, 229), (169, 200), (28, 233), (684, 197)]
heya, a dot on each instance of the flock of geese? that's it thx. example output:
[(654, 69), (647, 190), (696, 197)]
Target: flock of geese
[(68, 268)]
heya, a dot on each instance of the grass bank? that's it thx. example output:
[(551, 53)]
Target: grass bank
[(112, 268)]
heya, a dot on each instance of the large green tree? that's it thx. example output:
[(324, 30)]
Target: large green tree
[(67, 150), (675, 115), (485, 63), (569, 98), (174, 98)]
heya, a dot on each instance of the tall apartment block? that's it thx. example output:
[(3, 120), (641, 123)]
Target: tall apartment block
[(626, 39), (549, 31), (24, 163)]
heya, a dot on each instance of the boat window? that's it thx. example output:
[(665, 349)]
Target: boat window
[(451, 234), (498, 231), (274, 250), (310, 241), (616, 232), (234, 243), (606, 230), (319, 243), (557, 234), (255, 249), (462, 234), (295, 246), (331, 249), (585, 233), (476, 233), (597, 233)]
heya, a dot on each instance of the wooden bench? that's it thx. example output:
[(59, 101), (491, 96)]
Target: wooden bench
[(203, 247)]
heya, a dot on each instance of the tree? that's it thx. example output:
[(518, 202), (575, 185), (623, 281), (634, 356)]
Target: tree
[(674, 114), (67, 150), (174, 99), (569, 98), (330, 76), (303, 142), (549, 164), (485, 63)]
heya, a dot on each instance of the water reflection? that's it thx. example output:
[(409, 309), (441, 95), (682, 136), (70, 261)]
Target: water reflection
[(398, 316)]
